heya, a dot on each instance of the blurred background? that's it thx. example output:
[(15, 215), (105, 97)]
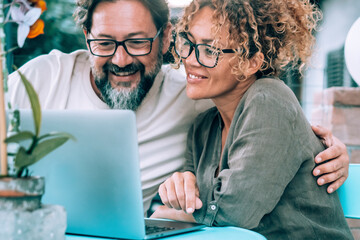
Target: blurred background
[(327, 67)]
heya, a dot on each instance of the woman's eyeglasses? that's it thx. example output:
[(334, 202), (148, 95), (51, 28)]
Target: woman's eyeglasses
[(206, 55)]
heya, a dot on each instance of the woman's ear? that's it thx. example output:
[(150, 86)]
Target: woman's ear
[(255, 63)]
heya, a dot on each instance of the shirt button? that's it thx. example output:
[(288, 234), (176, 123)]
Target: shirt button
[(213, 207)]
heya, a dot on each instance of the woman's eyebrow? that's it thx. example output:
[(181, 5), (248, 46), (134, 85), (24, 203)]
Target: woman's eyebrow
[(205, 41)]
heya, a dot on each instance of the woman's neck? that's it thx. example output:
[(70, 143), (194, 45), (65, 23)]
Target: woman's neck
[(227, 103)]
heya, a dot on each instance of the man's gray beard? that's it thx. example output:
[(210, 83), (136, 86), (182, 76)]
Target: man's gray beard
[(126, 98)]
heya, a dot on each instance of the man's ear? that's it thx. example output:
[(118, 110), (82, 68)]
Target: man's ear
[(85, 34), (166, 38)]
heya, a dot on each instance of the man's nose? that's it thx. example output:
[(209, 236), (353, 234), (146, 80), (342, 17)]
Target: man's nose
[(121, 58)]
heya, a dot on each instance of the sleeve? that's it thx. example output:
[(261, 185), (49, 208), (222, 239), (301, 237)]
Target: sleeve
[(16, 93), (50, 76), (261, 154)]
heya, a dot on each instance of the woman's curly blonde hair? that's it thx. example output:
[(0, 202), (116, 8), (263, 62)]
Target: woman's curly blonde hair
[(281, 29)]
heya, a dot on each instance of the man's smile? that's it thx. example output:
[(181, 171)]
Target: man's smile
[(125, 79), (124, 73)]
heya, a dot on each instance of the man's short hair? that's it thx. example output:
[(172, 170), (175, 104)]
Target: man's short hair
[(83, 14)]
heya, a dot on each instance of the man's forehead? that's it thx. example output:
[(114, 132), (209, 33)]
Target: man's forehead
[(122, 17)]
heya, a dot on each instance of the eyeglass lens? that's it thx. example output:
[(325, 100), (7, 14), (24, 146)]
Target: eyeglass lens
[(205, 54)]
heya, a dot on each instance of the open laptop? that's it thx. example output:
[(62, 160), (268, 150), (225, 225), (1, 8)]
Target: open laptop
[(97, 178)]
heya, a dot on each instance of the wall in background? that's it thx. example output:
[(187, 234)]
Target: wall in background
[(337, 20)]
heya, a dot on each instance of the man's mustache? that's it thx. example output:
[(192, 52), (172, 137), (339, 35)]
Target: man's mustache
[(133, 67)]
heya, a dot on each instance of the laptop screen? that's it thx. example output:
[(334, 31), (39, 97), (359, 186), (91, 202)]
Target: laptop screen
[(97, 177)]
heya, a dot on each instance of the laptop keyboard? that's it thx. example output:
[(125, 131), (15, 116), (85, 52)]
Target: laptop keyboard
[(156, 229)]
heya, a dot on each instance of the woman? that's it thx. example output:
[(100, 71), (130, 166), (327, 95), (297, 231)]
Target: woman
[(232, 51)]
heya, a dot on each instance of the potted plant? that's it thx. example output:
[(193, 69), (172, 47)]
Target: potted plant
[(39, 146), (20, 194), (21, 214)]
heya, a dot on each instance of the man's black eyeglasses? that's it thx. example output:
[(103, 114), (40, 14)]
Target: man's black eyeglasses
[(133, 46)]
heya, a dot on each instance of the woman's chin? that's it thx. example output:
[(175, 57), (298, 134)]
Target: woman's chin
[(195, 93), (195, 96)]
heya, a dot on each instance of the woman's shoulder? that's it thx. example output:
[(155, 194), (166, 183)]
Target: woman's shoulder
[(269, 98), (268, 91), (270, 86)]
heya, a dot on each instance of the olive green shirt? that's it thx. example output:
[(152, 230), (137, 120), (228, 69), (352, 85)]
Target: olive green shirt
[(265, 180)]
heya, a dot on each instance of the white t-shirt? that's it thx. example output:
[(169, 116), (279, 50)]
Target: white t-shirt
[(62, 81)]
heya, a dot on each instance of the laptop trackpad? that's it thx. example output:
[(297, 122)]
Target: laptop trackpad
[(164, 227)]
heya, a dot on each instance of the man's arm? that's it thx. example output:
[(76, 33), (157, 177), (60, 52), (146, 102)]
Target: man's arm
[(333, 162)]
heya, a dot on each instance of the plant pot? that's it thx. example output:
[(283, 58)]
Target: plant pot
[(22, 216), (21, 193)]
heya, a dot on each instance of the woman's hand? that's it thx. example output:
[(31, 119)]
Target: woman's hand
[(171, 213), (336, 169), (181, 192)]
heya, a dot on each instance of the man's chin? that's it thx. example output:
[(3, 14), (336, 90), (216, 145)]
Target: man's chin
[(122, 98), (125, 86)]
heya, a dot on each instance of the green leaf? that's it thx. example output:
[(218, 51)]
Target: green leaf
[(21, 136), (34, 101), (22, 159), (47, 146), (57, 134)]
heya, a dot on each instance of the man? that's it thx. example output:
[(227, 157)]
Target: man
[(122, 69)]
